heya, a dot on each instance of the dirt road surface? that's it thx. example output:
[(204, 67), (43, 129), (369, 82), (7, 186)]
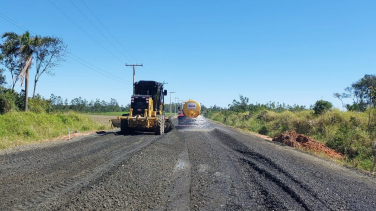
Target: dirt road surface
[(206, 168)]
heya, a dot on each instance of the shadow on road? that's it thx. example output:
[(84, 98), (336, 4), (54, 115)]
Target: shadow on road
[(118, 133)]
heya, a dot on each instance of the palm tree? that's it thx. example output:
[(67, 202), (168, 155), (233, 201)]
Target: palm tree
[(24, 45)]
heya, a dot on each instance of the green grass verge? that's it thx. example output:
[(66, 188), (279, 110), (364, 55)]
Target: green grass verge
[(347, 132), (19, 128)]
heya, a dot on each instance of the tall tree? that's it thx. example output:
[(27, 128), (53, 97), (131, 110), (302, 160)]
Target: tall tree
[(49, 53), (24, 44), (2, 77), (341, 97), (10, 51), (360, 92)]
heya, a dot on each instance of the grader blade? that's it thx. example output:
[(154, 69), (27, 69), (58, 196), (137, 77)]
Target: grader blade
[(116, 122)]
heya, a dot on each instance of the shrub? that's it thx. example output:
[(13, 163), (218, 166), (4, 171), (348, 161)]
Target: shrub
[(40, 105), (8, 99), (263, 130), (322, 106)]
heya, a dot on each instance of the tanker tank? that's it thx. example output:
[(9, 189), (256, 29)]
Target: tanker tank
[(190, 111)]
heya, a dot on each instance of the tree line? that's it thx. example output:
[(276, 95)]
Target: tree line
[(13, 101), (242, 105), (362, 93), (80, 104)]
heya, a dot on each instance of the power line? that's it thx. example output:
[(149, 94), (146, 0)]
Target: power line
[(100, 72), (14, 23), (87, 63), (77, 59), (97, 28), (85, 31), (26, 29), (91, 36), (115, 38), (108, 30)]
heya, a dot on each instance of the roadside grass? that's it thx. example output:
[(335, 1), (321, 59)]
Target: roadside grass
[(346, 132), (19, 128)]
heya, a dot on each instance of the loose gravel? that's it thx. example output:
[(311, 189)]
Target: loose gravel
[(203, 168)]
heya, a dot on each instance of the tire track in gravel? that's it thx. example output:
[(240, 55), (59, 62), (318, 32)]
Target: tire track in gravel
[(189, 169), (221, 182), (178, 191), (39, 178), (272, 177), (288, 179), (236, 171), (215, 181), (145, 181), (55, 151)]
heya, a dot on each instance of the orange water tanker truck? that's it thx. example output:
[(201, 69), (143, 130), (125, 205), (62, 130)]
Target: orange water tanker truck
[(190, 111)]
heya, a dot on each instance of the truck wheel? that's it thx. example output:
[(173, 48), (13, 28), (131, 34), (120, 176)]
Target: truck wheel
[(159, 129), (124, 127)]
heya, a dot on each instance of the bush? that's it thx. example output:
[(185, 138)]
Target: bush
[(8, 99), (322, 106), (263, 130), (40, 105), (350, 141), (12, 101)]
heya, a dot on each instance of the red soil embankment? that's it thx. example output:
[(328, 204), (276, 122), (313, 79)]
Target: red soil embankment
[(293, 139)]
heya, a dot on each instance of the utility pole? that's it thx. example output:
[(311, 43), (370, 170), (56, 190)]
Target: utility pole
[(180, 102), (170, 102), (175, 105), (134, 71)]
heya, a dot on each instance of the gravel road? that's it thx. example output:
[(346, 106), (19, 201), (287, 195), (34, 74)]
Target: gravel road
[(212, 167)]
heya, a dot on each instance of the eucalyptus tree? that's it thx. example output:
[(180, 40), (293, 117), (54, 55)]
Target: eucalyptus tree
[(49, 53), (23, 46), (10, 54), (360, 93), (2, 77)]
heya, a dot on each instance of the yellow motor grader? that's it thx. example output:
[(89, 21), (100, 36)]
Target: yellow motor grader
[(147, 110)]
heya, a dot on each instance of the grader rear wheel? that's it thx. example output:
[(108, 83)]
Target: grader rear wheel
[(168, 125), (159, 129)]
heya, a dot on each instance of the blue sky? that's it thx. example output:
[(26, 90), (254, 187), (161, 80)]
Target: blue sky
[(293, 52)]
